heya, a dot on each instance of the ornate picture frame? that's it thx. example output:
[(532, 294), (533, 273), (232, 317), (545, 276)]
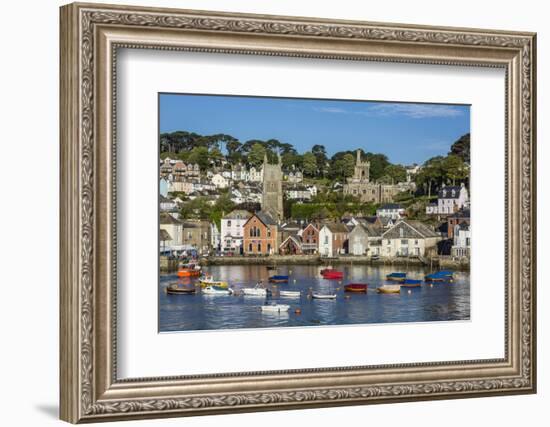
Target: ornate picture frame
[(90, 37)]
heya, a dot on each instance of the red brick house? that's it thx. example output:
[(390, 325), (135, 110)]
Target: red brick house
[(260, 235)]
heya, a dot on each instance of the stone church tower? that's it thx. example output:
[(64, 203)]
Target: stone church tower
[(272, 193)]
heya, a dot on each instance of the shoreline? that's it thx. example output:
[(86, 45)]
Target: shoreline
[(435, 262)]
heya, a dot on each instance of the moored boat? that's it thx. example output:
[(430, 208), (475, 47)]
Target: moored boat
[(256, 291), (410, 283), (356, 287), (439, 276), (333, 274), (389, 289), (208, 281), (215, 290), (323, 296), (176, 289), (278, 279), (275, 308), (290, 294), (396, 277), (188, 272)]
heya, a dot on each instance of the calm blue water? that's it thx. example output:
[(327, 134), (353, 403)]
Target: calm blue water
[(439, 302)]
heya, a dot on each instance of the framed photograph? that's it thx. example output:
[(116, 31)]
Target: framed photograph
[(265, 213)]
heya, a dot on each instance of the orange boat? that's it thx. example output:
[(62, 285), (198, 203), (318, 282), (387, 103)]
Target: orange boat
[(188, 272)]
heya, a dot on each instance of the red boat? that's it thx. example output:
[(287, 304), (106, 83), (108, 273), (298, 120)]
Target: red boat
[(333, 274), (356, 287)]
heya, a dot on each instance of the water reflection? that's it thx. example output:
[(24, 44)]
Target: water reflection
[(438, 302)]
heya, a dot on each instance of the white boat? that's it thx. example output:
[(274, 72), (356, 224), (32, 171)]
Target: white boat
[(277, 308), (256, 292), (323, 296), (290, 294), (212, 290)]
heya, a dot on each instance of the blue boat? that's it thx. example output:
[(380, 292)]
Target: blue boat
[(278, 279), (396, 277), (440, 276), (410, 283)]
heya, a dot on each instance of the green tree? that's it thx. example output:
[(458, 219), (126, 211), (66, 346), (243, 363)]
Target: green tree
[(309, 164), (201, 156), (378, 165), (256, 155), (454, 168), (396, 173), (461, 148)]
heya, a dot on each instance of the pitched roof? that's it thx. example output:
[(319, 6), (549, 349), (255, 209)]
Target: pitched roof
[(238, 214), (447, 192), (166, 218), (337, 227), (266, 218), (411, 229), (164, 235)]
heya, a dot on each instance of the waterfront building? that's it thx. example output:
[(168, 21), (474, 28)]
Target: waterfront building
[(310, 239), (359, 185), (215, 237), (333, 238), (364, 239), (261, 235), (462, 240), (196, 235), (459, 217), (450, 199), (232, 231), (292, 245), (173, 228), (409, 238), (289, 229), (390, 210), (272, 192)]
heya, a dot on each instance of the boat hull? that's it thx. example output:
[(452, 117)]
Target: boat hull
[(290, 294), (389, 289), (278, 308), (356, 287), (178, 290), (189, 273), (321, 296)]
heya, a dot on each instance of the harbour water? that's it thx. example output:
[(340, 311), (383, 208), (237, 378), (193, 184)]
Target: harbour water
[(436, 302)]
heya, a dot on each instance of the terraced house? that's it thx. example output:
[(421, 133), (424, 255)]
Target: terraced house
[(409, 238)]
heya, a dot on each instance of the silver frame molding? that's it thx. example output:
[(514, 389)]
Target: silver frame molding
[(90, 37)]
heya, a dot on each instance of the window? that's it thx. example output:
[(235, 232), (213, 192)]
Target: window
[(326, 240), (269, 233), (250, 247), (467, 241), (269, 248), (389, 242), (251, 232), (416, 242), (229, 223), (404, 242), (259, 247)]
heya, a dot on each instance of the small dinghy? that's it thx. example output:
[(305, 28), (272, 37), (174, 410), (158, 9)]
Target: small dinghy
[(290, 294), (397, 277), (389, 289), (356, 287), (278, 279), (176, 289), (333, 274), (257, 291), (323, 296), (215, 290), (440, 276), (275, 308), (410, 283)]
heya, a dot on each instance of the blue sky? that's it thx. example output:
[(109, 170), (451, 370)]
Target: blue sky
[(407, 133)]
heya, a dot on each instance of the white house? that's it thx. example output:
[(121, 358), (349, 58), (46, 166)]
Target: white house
[(167, 204), (174, 228), (332, 238), (408, 238), (461, 240), (255, 175), (449, 200), (237, 196), (364, 239), (232, 230), (390, 210), (214, 236), (412, 171), (219, 181)]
